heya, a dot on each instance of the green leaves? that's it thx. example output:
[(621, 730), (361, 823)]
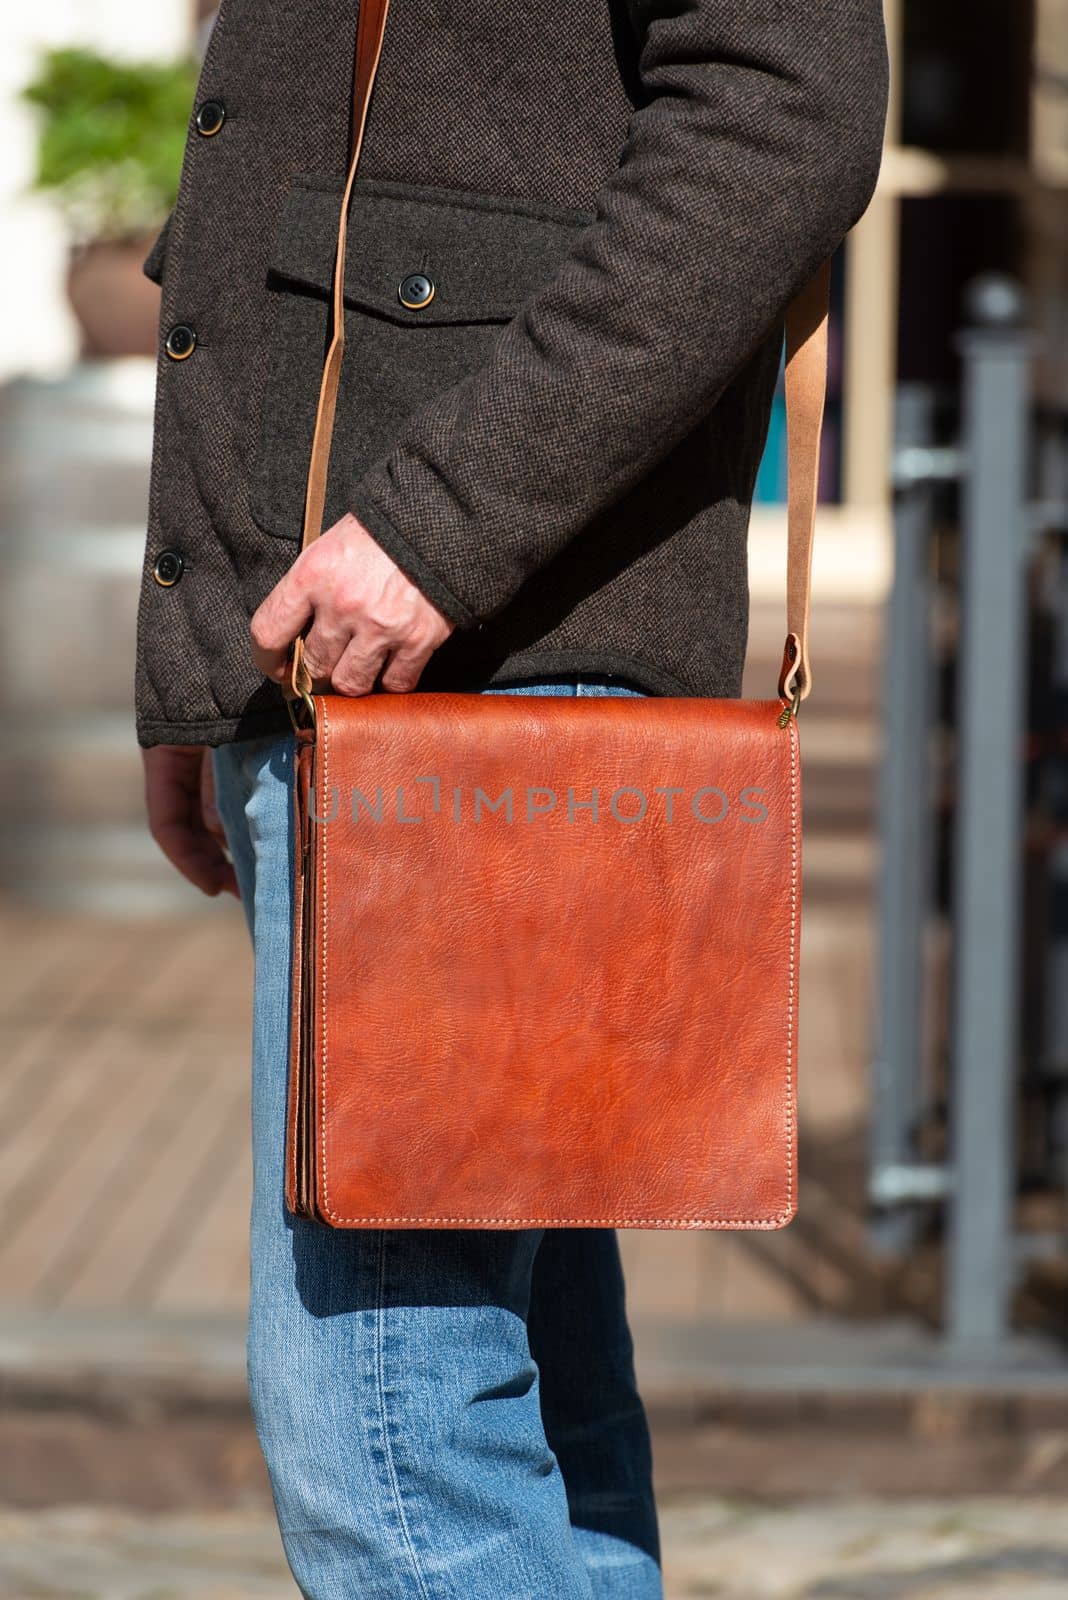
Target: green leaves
[(112, 135)]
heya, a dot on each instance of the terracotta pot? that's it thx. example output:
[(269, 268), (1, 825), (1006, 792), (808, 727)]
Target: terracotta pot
[(116, 306)]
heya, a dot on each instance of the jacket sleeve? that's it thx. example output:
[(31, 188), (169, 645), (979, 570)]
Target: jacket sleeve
[(755, 146)]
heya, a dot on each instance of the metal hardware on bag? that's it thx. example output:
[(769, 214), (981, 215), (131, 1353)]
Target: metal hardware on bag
[(791, 710), (309, 706), (300, 687)]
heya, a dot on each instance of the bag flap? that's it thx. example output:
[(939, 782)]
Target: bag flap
[(553, 966), (485, 256)]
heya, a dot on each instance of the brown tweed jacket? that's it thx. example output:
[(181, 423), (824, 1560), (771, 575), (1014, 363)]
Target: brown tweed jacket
[(614, 200)]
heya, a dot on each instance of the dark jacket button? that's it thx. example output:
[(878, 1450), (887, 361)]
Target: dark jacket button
[(168, 569), (181, 342), (210, 118), (416, 291)]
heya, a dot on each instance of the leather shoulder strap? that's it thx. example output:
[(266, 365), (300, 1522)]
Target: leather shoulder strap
[(806, 387), (806, 371), (369, 34)]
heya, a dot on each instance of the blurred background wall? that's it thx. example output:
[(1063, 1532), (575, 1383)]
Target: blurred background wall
[(931, 1253)]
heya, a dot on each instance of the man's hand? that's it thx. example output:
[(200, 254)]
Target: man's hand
[(182, 816), (366, 616)]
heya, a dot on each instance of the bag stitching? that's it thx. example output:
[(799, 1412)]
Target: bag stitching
[(791, 1115), (296, 999), (322, 1020)]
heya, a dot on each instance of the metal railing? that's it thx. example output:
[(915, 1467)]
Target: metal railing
[(966, 1102)]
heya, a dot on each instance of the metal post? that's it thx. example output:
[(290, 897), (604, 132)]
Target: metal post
[(1051, 517), (904, 831), (987, 877)]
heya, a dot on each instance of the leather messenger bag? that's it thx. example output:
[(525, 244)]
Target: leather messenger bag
[(545, 950)]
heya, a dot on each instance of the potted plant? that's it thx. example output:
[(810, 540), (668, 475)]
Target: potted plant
[(109, 155)]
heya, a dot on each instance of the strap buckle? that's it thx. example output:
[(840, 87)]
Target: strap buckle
[(293, 702), (298, 690)]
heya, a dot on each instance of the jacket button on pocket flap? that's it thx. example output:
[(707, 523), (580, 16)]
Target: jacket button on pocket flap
[(415, 291)]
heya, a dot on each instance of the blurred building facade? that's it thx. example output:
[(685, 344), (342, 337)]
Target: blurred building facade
[(974, 180)]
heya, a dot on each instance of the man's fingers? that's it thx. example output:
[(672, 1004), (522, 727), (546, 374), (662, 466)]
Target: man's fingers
[(405, 667), (359, 666), (324, 646), (224, 875), (278, 621), (198, 858), (365, 610), (209, 811), (173, 799)]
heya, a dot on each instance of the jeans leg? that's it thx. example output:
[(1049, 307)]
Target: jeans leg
[(594, 1418), (395, 1397)]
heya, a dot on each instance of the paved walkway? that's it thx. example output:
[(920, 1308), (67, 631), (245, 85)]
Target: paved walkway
[(714, 1550)]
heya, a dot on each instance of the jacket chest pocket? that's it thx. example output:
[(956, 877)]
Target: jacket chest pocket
[(431, 277)]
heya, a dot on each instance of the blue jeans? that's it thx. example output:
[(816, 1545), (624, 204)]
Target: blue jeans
[(445, 1414)]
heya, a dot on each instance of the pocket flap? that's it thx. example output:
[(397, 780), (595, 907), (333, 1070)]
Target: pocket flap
[(154, 262), (484, 256)]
